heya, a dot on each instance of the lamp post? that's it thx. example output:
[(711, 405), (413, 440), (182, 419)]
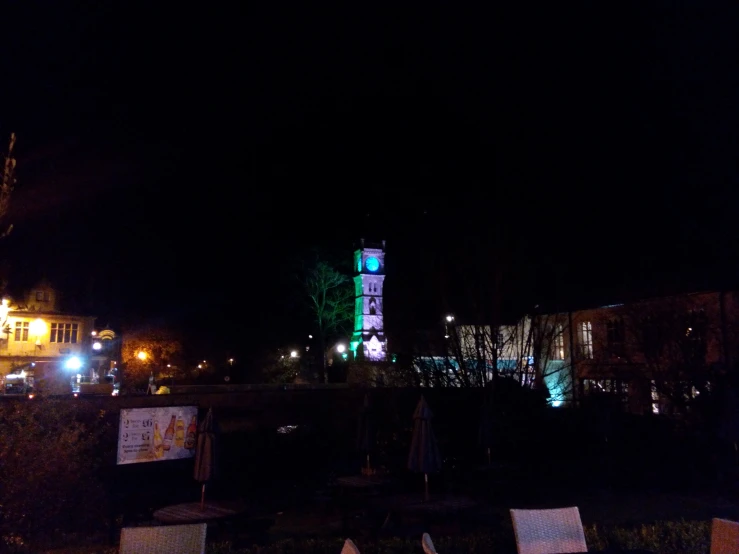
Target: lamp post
[(449, 319)]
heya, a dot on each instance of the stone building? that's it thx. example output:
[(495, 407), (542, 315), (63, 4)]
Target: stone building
[(43, 346)]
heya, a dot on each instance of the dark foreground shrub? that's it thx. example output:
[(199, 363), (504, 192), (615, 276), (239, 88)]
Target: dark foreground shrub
[(685, 537), (663, 537), (50, 455)]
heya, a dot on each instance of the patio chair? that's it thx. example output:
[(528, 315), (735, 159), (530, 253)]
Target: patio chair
[(428, 544), (724, 536), (167, 539), (349, 547), (548, 531)]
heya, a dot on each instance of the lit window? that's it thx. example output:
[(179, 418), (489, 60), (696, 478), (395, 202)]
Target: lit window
[(655, 398), (21, 331), (64, 333), (586, 339), (558, 344)]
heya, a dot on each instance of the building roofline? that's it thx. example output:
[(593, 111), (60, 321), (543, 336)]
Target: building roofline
[(49, 314), (585, 306)]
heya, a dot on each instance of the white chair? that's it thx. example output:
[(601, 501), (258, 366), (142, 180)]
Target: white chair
[(548, 531), (428, 544), (724, 536), (349, 547), (167, 539)]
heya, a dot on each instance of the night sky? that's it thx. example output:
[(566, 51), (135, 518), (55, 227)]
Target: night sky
[(174, 163)]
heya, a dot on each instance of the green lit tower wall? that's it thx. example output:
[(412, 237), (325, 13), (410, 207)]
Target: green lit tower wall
[(368, 340)]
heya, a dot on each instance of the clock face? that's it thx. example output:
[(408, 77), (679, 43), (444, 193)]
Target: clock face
[(372, 264)]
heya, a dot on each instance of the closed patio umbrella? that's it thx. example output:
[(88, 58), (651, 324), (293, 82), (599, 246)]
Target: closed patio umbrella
[(424, 456), (366, 433), (205, 453)]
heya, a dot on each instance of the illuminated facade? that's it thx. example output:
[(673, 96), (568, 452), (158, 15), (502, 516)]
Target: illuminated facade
[(368, 340), (38, 341)]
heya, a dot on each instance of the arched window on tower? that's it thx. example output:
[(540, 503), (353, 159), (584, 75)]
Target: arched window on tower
[(372, 307)]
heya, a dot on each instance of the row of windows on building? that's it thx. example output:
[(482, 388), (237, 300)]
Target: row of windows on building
[(695, 337), (620, 389), (63, 333)]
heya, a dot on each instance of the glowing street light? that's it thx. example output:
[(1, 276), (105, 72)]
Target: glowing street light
[(340, 348), (97, 345), (449, 318), (73, 363), (141, 355), (294, 354), (37, 328)]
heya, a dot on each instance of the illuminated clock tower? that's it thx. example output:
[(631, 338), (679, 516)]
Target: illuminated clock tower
[(369, 340)]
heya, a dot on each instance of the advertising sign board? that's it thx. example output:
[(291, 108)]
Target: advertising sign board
[(157, 434)]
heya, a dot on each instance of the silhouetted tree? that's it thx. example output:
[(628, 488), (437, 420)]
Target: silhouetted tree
[(150, 351), (330, 296), (531, 352), (7, 184), (668, 350), (279, 367)]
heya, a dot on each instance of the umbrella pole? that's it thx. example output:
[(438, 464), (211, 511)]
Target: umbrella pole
[(202, 498), (426, 483)]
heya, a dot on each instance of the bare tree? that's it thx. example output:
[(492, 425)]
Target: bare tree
[(669, 350), (330, 297), (530, 352), (8, 184)]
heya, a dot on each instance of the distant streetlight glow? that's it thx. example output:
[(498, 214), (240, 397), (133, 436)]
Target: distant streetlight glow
[(449, 318), (340, 348), (294, 354), (96, 346), (141, 355)]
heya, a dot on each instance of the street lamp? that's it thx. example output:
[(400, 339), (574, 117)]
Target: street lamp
[(37, 328), (294, 354), (340, 348), (141, 355), (449, 319)]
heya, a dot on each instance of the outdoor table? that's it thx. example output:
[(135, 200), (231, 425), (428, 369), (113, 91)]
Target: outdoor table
[(440, 505), (617, 551), (364, 483), (191, 512), (409, 512)]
